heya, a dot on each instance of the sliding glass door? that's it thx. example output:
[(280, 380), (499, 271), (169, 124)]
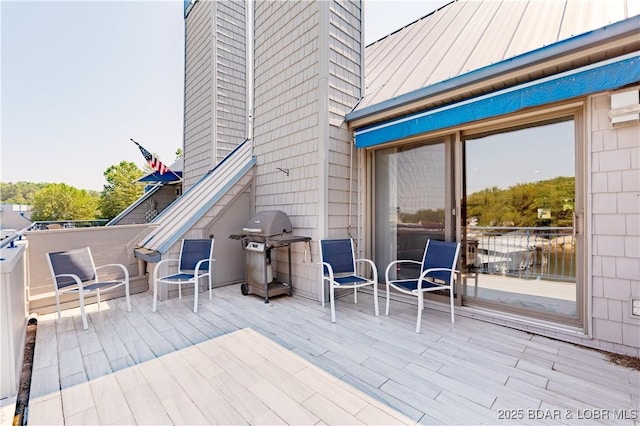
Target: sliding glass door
[(519, 214), (412, 202), (518, 187)]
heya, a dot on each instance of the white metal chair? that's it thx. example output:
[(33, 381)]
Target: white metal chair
[(74, 271), (195, 262), (339, 271), (437, 272)]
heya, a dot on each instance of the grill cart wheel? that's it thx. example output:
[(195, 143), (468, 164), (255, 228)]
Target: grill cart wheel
[(244, 288)]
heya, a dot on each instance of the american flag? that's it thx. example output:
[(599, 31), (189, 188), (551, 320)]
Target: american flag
[(152, 161)]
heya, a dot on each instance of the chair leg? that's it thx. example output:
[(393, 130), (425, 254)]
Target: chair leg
[(126, 289), (322, 291), (209, 279), (195, 296), (333, 303), (179, 291), (420, 309), (388, 289), (355, 296), (375, 298), (451, 298), (58, 307), (155, 294), (99, 301), (83, 314)]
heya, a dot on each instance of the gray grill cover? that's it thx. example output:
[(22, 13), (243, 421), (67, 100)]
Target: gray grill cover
[(269, 222)]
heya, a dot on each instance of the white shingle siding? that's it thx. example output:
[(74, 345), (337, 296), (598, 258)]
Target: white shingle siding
[(290, 118), (344, 92), (162, 197), (198, 112), (231, 76), (615, 217), (215, 85)]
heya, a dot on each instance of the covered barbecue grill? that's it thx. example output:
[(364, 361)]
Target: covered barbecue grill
[(266, 231)]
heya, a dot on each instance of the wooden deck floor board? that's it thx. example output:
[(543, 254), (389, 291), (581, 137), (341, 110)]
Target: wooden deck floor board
[(239, 360)]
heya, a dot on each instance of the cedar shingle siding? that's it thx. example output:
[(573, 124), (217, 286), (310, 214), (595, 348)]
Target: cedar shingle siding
[(215, 74), (307, 77)]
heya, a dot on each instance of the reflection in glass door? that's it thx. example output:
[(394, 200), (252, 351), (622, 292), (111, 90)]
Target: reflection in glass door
[(410, 201), (519, 208)]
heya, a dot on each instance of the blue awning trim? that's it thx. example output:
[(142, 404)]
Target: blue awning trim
[(607, 75)]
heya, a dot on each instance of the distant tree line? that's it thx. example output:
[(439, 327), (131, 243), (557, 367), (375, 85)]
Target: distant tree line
[(59, 201), (19, 192), (544, 203)]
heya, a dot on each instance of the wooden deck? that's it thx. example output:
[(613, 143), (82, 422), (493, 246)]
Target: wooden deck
[(240, 361)]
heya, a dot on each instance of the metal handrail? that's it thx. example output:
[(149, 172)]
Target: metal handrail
[(10, 241)]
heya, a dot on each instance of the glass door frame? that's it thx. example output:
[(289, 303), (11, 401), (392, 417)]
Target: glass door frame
[(577, 111), (450, 216), (454, 183)]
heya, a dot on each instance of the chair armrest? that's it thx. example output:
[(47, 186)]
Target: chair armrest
[(373, 267), (396, 262), (125, 271), (424, 273), (75, 278), (437, 270), (162, 262), (200, 263), (329, 269)]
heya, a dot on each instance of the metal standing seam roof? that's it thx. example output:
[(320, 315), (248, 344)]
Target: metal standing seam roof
[(606, 75), (185, 211), (466, 35)]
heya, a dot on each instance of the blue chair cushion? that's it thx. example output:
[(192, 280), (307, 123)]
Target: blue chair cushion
[(101, 284), (350, 279), (178, 277), (411, 285)]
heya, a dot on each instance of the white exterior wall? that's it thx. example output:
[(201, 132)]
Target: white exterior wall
[(13, 316), (307, 58), (215, 114), (615, 226)]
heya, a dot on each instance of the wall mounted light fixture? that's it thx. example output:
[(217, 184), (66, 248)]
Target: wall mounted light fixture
[(625, 107)]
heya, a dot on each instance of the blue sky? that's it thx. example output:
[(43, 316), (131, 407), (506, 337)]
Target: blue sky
[(80, 78)]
